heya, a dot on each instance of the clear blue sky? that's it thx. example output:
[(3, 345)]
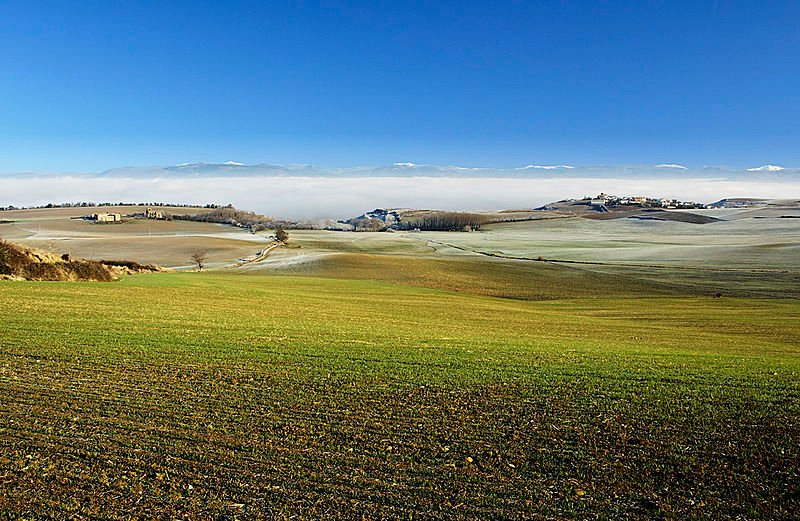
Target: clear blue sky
[(88, 85)]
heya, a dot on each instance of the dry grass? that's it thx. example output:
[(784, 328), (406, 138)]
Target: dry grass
[(19, 263)]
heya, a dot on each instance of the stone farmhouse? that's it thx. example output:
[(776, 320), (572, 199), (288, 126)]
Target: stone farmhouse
[(105, 217)]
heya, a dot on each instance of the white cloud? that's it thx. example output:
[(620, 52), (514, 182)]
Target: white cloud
[(766, 168), (671, 165)]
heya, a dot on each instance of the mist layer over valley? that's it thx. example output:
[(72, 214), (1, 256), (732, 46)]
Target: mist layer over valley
[(309, 193)]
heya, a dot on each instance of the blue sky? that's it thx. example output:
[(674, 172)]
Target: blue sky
[(87, 85)]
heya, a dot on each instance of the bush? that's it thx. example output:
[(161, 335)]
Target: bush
[(132, 265), (41, 271), (89, 270)]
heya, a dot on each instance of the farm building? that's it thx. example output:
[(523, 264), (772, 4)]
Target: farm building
[(105, 217), (152, 213)]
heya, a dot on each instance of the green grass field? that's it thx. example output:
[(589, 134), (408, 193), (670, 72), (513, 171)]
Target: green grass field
[(241, 396)]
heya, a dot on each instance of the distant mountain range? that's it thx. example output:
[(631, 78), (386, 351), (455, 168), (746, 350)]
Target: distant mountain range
[(236, 169)]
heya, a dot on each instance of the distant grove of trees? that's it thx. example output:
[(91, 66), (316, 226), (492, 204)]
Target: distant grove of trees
[(446, 221), (431, 221), (368, 225), (241, 218)]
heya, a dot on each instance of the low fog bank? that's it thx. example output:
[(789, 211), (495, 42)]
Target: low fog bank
[(318, 198)]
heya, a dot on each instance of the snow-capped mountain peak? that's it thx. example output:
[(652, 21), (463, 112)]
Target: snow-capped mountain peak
[(545, 167)]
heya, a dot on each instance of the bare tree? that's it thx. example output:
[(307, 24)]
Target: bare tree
[(281, 234), (199, 258)]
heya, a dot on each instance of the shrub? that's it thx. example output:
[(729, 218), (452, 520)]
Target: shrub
[(90, 270), (132, 265), (42, 271)]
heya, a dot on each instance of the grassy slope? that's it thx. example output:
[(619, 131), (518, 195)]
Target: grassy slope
[(676, 258), (486, 276), (247, 395)]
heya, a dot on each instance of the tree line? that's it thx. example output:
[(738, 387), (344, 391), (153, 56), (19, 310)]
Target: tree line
[(241, 218), (446, 222)]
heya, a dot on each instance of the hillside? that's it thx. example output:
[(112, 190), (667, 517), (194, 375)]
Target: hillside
[(750, 251), (602, 208), (167, 243), (18, 263), (610, 207)]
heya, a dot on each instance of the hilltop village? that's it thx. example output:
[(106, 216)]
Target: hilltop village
[(603, 202)]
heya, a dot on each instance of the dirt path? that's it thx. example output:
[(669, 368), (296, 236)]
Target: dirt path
[(262, 255)]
